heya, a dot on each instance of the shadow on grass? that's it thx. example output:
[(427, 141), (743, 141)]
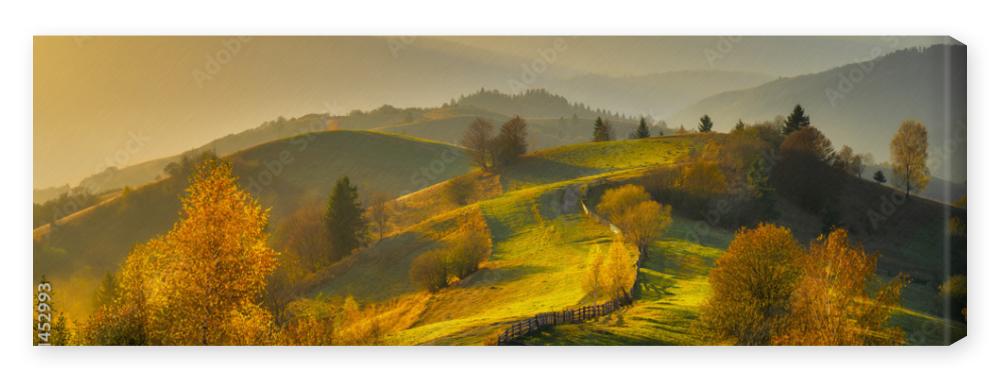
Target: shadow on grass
[(493, 277), (534, 170)]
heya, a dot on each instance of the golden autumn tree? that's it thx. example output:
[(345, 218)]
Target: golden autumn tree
[(616, 202), (767, 290), (592, 279), (126, 319), (839, 299), (908, 152), (618, 275), (610, 274), (702, 175), (643, 223), (200, 283), (217, 264), (752, 286), (640, 219)]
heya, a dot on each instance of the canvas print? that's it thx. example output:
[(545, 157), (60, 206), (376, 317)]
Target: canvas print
[(499, 190)]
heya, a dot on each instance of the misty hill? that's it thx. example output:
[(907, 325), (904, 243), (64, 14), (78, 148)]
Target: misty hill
[(863, 104), (550, 117), (283, 175), (937, 189), (42, 195), (293, 76), (141, 173), (658, 95), (532, 103)]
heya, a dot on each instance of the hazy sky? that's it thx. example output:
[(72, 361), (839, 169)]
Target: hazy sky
[(115, 101)]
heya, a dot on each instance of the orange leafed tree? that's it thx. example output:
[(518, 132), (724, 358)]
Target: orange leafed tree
[(752, 286), (610, 274), (200, 283), (767, 290), (832, 304), (640, 218)]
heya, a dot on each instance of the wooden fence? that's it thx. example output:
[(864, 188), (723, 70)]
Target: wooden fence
[(569, 316)]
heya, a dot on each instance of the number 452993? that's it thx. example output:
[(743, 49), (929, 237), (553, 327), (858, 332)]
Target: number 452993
[(44, 324)]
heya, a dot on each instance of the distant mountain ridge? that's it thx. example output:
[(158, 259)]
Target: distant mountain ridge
[(863, 104), (445, 123), (658, 95)]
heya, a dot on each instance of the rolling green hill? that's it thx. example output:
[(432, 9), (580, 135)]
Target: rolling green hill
[(542, 245), (283, 175)]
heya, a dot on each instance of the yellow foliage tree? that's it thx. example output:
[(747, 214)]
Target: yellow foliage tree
[(611, 274), (592, 280), (643, 223), (640, 219), (908, 152), (766, 290), (702, 178), (752, 286), (616, 202), (619, 273), (201, 283), (830, 304)]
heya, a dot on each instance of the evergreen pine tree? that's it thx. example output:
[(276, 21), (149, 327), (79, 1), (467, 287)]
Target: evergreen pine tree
[(345, 220), (758, 180), (705, 124), (739, 126), (602, 130), (880, 177), (642, 131), (795, 121)]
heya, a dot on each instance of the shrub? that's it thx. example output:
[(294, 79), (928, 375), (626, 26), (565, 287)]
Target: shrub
[(459, 258), (470, 249), (429, 271), (460, 190), (953, 291), (304, 235)]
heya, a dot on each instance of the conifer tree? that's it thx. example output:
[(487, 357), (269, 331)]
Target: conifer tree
[(705, 124), (880, 177), (602, 130), (345, 220), (642, 131), (796, 121), (739, 126)]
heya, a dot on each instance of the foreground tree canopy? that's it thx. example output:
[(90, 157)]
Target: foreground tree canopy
[(767, 290), (201, 282)]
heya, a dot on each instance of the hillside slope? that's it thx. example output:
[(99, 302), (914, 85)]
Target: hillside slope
[(553, 120), (542, 245), (541, 242), (283, 175)]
